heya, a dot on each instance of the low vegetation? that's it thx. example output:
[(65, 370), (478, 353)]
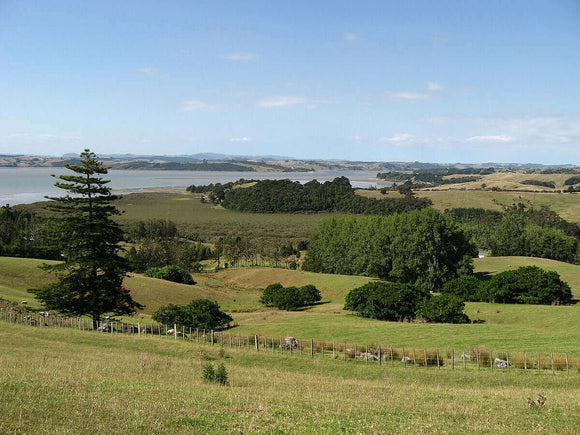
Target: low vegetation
[(199, 313), (290, 298), (170, 273)]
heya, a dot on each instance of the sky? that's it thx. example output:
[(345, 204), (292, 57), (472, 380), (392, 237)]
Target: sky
[(433, 81)]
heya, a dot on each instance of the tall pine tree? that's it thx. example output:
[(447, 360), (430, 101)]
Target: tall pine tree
[(90, 279)]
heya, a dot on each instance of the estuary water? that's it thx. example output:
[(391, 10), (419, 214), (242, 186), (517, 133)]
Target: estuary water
[(28, 185)]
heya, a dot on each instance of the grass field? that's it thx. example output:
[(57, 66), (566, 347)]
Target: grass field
[(505, 327), (565, 204), (68, 381)]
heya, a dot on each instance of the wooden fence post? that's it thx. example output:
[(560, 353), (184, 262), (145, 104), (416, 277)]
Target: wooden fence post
[(311, 348), (174, 331), (490, 359), (552, 357), (257, 344), (414, 358), (525, 361), (380, 356), (539, 363), (452, 359), (404, 359), (567, 370), (438, 366)]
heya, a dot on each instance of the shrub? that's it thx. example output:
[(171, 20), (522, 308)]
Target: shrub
[(219, 376), (290, 298), (386, 300), (199, 313), (170, 273), (529, 285), (445, 308), (268, 295), (466, 288)]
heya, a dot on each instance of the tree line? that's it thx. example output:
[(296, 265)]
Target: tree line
[(286, 196)]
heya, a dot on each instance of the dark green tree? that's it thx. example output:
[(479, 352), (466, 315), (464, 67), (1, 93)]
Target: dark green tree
[(199, 313), (90, 279)]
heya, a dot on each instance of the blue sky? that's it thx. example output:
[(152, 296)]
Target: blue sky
[(438, 81)]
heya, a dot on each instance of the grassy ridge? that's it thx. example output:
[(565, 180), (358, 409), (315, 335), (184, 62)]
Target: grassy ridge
[(505, 327), (67, 381)]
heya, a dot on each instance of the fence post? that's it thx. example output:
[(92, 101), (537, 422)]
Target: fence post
[(539, 363), (491, 359), (426, 361), (344, 351), (507, 357), (567, 370), (300, 344), (174, 331), (414, 358), (525, 361), (380, 356), (333, 351), (552, 357), (256, 343), (452, 359), (355, 350), (438, 366), (312, 348), (404, 359), (323, 349)]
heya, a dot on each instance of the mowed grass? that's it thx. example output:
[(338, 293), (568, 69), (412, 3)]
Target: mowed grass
[(513, 328), (68, 381)]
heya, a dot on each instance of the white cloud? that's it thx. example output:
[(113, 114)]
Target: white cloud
[(399, 138), (434, 86), (238, 57), (240, 139), (191, 105), (496, 138), (407, 96), (348, 36), (355, 138), (281, 100)]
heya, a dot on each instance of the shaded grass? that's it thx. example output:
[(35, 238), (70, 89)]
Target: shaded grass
[(66, 381)]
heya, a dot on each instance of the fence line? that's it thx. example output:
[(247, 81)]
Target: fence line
[(475, 357)]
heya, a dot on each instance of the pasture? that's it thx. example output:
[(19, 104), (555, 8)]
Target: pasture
[(501, 327), (67, 381)]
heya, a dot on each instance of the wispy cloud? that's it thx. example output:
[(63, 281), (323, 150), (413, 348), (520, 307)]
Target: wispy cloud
[(434, 86), (355, 138), (238, 57), (282, 100), (492, 138), (147, 70), (402, 138), (412, 96), (191, 105), (348, 36), (240, 139)]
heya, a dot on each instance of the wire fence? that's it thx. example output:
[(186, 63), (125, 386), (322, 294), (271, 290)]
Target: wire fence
[(474, 358)]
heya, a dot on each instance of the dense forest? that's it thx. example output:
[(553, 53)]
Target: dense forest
[(285, 196)]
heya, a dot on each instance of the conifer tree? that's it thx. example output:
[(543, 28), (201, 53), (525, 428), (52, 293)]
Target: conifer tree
[(90, 279)]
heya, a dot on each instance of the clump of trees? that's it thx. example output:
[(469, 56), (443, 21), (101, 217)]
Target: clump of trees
[(423, 247), (285, 196), (541, 183), (199, 313), (521, 231), (26, 234), (290, 298), (525, 285), (399, 302), (170, 273), (157, 243)]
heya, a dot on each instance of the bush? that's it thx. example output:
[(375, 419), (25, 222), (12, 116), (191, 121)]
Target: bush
[(466, 288), (445, 308), (199, 313), (529, 285), (170, 273), (386, 300), (290, 298), (219, 376)]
